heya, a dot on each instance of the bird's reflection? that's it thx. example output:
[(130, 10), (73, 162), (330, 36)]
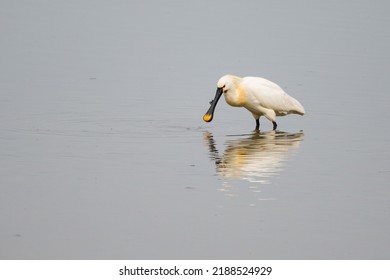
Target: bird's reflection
[(256, 157)]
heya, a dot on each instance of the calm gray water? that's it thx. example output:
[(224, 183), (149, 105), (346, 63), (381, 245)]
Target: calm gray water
[(104, 153)]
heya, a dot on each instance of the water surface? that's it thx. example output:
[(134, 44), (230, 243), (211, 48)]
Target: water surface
[(104, 154)]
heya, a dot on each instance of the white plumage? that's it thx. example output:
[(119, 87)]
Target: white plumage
[(258, 95)]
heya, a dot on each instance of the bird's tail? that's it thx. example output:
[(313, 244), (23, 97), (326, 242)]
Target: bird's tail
[(298, 108)]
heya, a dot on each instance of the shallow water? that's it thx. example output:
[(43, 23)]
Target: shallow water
[(104, 154)]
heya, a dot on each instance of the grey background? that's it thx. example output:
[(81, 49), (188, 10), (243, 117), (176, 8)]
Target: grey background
[(104, 154)]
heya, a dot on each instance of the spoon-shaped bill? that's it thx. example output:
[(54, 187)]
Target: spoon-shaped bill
[(208, 117)]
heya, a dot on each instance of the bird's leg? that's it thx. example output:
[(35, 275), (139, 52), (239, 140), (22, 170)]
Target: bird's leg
[(275, 125), (257, 124)]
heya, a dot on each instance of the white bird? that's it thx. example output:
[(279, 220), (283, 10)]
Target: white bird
[(259, 96)]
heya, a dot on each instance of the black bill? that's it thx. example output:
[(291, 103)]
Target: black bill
[(208, 117)]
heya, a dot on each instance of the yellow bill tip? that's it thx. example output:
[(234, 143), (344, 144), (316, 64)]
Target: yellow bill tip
[(207, 117)]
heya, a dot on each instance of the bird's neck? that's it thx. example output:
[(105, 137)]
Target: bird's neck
[(236, 97)]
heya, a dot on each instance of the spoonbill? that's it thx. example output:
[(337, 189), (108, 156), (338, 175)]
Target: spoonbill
[(259, 96)]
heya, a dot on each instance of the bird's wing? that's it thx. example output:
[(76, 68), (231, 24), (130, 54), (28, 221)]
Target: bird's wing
[(271, 96)]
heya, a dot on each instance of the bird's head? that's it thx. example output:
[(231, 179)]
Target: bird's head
[(227, 83), (224, 85)]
